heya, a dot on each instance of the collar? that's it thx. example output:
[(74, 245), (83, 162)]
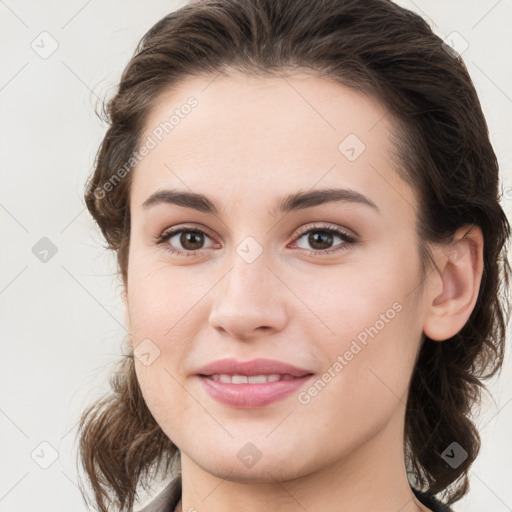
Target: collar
[(169, 496), (165, 500)]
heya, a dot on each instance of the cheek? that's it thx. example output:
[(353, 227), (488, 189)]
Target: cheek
[(344, 302), (370, 329), (164, 308), (159, 297), (163, 394), (366, 376)]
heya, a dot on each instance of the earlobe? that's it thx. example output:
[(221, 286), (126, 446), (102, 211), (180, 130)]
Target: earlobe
[(459, 273)]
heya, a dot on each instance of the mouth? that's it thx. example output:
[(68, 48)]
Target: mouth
[(250, 384), (254, 391), (254, 368), (250, 379)]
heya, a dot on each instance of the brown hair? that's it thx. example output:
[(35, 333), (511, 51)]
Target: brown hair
[(444, 153)]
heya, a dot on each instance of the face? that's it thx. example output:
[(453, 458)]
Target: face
[(330, 284)]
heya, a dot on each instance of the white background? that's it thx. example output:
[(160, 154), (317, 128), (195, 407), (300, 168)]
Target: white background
[(62, 321)]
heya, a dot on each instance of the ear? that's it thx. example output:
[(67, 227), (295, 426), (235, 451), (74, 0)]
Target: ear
[(454, 285)]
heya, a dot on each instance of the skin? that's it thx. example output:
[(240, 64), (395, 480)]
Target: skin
[(250, 141)]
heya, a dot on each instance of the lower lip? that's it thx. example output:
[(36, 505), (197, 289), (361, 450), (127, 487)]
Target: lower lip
[(252, 395)]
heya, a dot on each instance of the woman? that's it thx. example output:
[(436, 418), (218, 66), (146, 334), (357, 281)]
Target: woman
[(303, 200)]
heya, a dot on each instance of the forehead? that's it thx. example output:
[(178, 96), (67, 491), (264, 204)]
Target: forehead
[(263, 134)]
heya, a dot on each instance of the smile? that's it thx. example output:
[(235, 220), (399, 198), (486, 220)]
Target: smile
[(253, 391), (249, 379)]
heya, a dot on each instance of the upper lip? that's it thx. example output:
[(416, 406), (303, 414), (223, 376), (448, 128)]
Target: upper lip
[(253, 367)]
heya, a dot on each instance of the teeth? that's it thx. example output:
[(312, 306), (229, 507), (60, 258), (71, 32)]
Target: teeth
[(253, 379), (256, 379)]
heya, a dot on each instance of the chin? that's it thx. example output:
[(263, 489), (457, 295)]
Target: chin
[(261, 472), (249, 464)]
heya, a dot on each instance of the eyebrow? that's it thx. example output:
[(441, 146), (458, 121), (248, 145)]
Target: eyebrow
[(296, 201)]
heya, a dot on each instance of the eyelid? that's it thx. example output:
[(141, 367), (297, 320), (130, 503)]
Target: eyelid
[(300, 231), (185, 227), (350, 238), (168, 233), (326, 226)]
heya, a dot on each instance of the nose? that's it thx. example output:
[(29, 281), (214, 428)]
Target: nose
[(250, 301)]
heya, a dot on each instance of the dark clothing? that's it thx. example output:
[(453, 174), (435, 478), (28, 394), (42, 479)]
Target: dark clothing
[(430, 501), (169, 497)]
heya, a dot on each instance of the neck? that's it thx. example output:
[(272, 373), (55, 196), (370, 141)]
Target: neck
[(371, 477)]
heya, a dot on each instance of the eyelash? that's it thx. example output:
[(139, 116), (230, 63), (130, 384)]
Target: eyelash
[(348, 240)]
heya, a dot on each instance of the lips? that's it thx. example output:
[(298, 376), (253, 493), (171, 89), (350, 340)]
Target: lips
[(251, 384), (252, 368)]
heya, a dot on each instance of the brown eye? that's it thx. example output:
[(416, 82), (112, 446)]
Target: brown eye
[(191, 240), (321, 240), (183, 242)]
